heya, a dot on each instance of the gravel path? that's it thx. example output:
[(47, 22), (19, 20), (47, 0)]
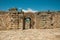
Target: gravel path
[(30, 34)]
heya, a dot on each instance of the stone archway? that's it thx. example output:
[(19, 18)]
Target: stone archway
[(27, 23)]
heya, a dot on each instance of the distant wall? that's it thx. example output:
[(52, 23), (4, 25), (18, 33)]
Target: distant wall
[(48, 20), (39, 20)]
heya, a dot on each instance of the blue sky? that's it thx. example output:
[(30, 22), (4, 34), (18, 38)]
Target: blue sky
[(33, 4)]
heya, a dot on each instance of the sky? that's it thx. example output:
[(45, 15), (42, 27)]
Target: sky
[(40, 5)]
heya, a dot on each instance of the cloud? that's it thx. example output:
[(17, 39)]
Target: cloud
[(29, 10)]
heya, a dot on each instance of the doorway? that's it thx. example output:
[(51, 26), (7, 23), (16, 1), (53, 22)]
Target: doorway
[(27, 23)]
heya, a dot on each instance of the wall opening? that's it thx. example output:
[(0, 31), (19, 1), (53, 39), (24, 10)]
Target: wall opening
[(27, 23)]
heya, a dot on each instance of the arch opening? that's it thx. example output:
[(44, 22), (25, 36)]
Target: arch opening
[(27, 23)]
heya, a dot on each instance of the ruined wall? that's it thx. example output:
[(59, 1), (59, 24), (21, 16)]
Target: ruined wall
[(56, 20), (4, 20), (43, 20), (14, 20), (10, 20), (20, 20), (48, 20)]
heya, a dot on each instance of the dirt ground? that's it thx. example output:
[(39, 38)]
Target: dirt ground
[(30, 34)]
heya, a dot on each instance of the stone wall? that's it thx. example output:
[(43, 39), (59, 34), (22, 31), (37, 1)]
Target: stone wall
[(4, 20), (48, 20), (39, 20)]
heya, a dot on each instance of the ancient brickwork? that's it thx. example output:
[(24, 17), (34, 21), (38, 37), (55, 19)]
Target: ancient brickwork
[(43, 20), (4, 20), (14, 19), (48, 20)]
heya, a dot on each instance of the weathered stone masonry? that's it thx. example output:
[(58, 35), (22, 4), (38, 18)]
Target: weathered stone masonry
[(14, 19)]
